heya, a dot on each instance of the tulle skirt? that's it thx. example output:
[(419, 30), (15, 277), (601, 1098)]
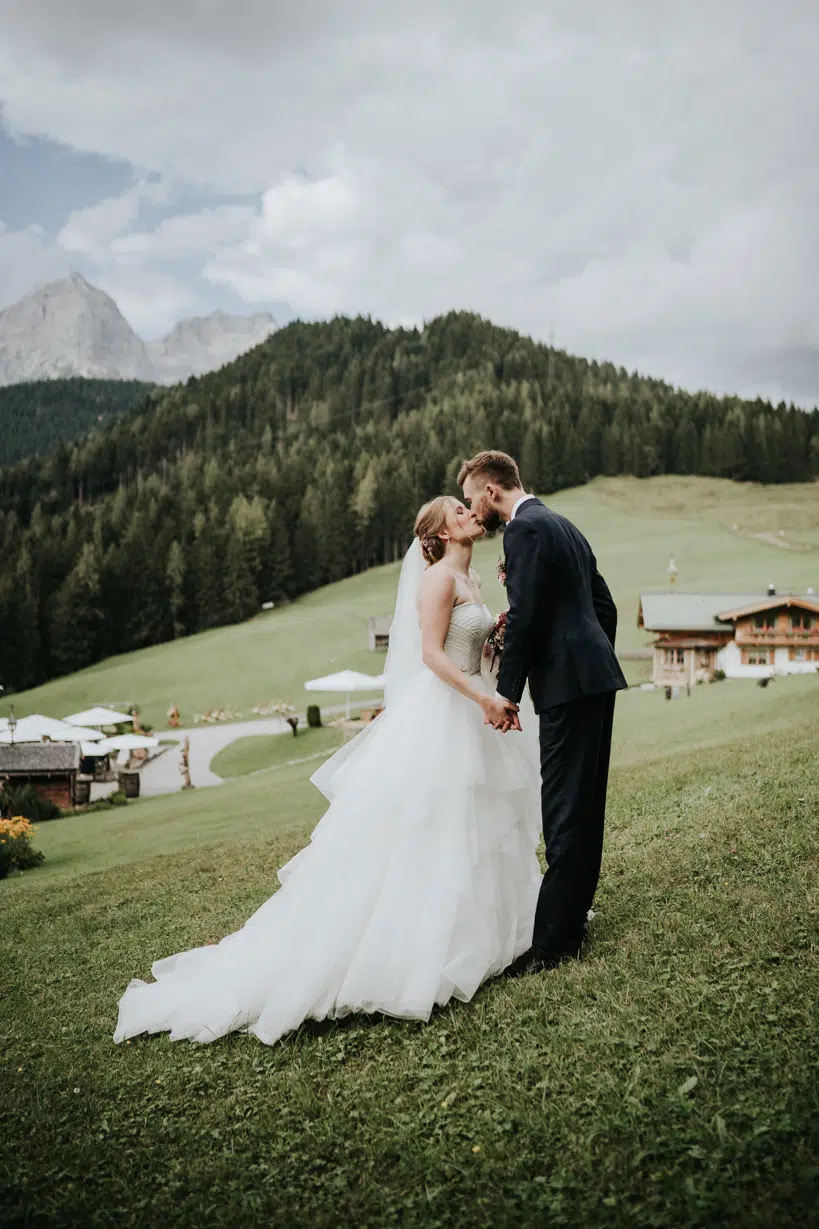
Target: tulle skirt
[(418, 884)]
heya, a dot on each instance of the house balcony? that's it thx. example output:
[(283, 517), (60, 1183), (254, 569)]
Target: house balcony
[(777, 637)]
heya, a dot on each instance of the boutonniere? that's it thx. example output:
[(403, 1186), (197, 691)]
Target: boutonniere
[(502, 569)]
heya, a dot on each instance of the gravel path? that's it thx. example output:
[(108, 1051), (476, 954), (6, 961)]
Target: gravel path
[(161, 775)]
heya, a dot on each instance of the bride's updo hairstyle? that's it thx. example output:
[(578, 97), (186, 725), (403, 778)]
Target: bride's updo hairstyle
[(428, 525)]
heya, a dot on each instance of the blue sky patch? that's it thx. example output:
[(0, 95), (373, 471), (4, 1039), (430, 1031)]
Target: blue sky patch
[(42, 182)]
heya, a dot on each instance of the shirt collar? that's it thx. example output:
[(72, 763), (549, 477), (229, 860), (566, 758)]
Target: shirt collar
[(523, 499)]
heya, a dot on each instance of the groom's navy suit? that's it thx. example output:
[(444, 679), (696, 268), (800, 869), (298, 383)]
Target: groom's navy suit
[(560, 637)]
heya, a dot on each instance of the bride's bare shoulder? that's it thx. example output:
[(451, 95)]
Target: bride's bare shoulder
[(437, 582)]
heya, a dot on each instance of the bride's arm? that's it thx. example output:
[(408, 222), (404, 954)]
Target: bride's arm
[(437, 598)]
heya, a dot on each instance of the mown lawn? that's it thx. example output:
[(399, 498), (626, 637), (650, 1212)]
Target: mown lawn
[(711, 527), (668, 1080), (261, 751)]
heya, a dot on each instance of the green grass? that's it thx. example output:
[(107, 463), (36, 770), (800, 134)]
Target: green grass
[(668, 1080), (634, 527), (647, 725), (261, 751), (638, 671)]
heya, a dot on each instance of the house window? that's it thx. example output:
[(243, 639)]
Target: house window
[(674, 657), (758, 657), (806, 654), (801, 620), (765, 621)]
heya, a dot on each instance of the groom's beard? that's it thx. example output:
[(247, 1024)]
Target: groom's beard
[(491, 520)]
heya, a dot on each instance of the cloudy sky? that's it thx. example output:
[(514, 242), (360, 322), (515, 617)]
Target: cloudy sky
[(637, 179)]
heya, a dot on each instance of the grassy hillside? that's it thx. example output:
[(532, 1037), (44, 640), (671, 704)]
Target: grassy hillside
[(260, 752), (647, 728), (305, 460), (634, 526), (663, 1081)]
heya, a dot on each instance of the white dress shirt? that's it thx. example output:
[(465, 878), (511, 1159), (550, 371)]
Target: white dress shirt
[(523, 499)]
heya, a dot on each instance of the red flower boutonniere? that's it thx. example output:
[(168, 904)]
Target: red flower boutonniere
[(496, 637)]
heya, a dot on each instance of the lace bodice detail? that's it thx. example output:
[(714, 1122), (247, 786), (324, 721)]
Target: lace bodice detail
[(469, 626)]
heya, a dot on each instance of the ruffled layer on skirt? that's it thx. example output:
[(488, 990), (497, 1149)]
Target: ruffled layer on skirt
[(419, 882)]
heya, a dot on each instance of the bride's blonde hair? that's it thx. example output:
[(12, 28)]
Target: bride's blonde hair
[(428, 525)]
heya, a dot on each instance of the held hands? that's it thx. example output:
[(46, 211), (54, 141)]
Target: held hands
[(501, 714)]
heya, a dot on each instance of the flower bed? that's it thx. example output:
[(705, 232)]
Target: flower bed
[(16, 852)]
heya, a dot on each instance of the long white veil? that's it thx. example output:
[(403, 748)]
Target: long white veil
[(404, 663), (404, 659)]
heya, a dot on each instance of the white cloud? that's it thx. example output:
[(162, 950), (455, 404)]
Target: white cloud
[(27, 258), (639, 179), (185, 235), (91, 231), (151, 299)]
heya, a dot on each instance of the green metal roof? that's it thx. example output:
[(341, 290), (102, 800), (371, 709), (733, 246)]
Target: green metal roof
[(690, 612)]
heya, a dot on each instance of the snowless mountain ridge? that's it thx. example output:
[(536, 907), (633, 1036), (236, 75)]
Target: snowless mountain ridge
[(71, 328)]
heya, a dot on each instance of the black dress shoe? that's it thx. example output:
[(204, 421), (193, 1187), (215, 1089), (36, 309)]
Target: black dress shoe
[(537, 961)]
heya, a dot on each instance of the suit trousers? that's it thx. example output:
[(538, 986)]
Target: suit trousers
[(575, 749)]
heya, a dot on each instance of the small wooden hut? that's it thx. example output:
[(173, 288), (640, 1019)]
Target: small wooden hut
[(52, 768), (378, 628)]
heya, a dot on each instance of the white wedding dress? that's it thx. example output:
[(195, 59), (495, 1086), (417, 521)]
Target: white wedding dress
[(418, 884)]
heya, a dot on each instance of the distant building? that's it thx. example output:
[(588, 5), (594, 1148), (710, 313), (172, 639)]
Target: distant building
[(52, 769), (745, 635), (379, 632)]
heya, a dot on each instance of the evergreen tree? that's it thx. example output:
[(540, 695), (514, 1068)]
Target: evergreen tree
[(307, 459), (77, 616), (175, 578)]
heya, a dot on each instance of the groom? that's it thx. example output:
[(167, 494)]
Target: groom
[(560, 636)]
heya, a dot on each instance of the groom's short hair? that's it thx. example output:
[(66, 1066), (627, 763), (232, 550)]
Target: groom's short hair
[(497, 467)]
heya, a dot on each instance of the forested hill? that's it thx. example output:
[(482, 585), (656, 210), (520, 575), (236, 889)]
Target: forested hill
[(306, 460), (36, 417)]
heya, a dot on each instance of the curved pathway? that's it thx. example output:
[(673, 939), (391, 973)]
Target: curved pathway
[(161, 775)]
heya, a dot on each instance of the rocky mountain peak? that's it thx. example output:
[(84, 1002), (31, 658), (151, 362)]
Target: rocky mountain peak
[(72, 328)]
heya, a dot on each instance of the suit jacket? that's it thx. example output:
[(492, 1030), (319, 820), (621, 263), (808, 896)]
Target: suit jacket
[(562, 620)]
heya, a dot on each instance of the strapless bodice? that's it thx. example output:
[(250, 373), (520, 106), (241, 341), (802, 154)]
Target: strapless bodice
[(469, 626)]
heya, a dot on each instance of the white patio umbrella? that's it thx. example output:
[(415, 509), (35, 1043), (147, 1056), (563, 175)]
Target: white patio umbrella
[(99, 716), (34, 728), (129, 742), (93, 749), (347, 681)]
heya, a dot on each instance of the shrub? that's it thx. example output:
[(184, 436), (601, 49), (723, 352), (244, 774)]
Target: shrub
[(718, 676), (24, 800), (16, 853), (117, 799)]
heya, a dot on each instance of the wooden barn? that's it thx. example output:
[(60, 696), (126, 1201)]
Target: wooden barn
[(52, 768), (744, 635)]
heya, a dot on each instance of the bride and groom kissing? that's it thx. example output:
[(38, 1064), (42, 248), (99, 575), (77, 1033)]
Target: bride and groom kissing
[(421, 881)]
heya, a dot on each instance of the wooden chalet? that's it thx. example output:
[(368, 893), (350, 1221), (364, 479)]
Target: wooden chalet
[(744, 635), (52, 768)]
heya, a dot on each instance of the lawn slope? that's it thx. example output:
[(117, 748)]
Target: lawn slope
[(666, 1080), (633, 525)]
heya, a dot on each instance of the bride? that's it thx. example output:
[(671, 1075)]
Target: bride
[(421, 879)]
